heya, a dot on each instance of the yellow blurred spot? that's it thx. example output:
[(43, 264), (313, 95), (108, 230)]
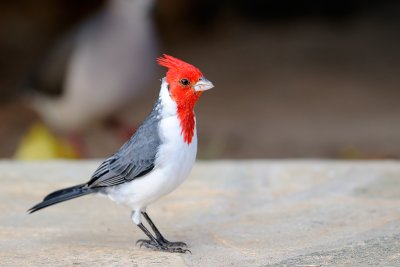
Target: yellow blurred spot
[(40, 143)]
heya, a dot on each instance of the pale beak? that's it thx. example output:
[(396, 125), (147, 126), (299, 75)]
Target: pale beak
[(202, 85)]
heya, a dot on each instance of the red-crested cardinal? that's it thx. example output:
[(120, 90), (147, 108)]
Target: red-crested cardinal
[(157, 158)]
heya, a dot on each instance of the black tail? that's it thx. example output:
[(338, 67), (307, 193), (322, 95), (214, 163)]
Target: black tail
[(62, 195)]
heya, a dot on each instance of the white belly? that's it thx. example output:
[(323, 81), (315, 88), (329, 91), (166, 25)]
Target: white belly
[(174, 162)]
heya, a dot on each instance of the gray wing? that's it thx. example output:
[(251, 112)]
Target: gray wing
[(134, 159)]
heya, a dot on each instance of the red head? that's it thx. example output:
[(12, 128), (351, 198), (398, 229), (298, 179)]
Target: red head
[(185, 80), (186, 84)]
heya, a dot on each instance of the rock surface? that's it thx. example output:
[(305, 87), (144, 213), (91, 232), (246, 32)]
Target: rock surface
[(231, 213)]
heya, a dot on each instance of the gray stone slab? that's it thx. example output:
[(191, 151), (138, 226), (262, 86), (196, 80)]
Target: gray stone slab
[(231, 213)]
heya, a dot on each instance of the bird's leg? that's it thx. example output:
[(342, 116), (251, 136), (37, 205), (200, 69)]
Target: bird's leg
[(159, 236), (155, 244), (149, 235)]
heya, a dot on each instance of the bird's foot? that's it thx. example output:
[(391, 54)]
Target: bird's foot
[(167, 243), (174, 247), (174, 244)]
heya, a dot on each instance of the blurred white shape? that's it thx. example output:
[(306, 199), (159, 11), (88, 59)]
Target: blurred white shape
[(112, 60)]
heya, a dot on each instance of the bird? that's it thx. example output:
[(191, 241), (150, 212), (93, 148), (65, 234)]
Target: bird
[(156, 159), (95, 70), (105, 57)]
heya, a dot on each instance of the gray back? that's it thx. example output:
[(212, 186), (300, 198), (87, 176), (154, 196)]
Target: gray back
[(135, 158)]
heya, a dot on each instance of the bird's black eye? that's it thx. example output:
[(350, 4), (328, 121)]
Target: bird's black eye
[(184, 82)]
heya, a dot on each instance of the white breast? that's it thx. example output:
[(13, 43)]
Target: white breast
[(174, 161)]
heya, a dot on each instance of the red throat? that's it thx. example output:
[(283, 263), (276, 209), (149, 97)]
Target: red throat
[(186, 102), (182, 93)]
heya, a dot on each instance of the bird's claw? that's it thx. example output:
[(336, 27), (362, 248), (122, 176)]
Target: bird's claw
[(141, 241), (167, 243), (165, 246)]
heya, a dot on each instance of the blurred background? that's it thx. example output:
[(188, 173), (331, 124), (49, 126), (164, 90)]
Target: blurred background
[(293, 79)]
